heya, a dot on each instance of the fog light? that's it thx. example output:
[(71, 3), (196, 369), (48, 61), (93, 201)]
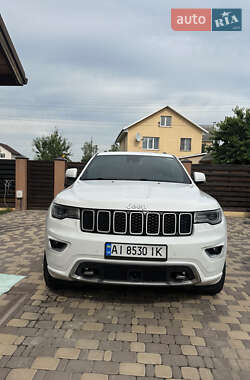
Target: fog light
[(88, 272), (57, 245), (214, 251), (181, 276)]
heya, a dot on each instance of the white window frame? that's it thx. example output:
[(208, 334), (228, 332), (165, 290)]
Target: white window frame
[(186, 139), (165, 125), (154, 139), (2, 155)]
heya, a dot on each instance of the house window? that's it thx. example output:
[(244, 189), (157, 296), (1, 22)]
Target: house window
[(150, 143), (166, 121), (185, 144), (2, 155)]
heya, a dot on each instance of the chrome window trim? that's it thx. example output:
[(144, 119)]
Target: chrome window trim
[(191, 221), (159, 223), (87, 229), (97, 229), (120, 212), (175, 223), (136, 212)]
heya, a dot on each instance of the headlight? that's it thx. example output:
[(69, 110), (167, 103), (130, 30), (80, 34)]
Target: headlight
[(62, 212), (211, 216)]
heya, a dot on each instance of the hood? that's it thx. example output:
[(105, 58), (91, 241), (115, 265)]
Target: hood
[(136, 195)]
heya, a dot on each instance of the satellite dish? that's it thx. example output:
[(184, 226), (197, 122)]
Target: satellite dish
[(138, 137)]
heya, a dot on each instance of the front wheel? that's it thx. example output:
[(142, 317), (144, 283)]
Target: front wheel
[(215, 288), (51, 282)]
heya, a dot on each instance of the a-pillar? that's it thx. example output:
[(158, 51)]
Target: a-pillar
[(21, 183)]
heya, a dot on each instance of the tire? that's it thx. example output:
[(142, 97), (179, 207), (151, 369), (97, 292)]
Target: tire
[(51, 282), (215, 288)]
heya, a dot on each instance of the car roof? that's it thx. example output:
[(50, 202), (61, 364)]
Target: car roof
[(135, 154)]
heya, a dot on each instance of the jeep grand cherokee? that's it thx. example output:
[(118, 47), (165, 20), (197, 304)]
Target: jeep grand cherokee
[(138, 219)]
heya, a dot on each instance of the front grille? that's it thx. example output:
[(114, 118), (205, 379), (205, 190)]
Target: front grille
[(137, 222)]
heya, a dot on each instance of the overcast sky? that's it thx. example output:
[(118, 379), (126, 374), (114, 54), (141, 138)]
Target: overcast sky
[(96, 66)]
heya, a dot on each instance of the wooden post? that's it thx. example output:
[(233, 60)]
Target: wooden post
[(59, 175), (21, 183), (188, 166)]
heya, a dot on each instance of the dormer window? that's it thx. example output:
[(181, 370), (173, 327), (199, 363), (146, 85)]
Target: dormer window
[(166, 121)]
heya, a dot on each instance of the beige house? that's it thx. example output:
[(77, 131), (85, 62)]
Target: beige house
[(8, 153), (163, 131)]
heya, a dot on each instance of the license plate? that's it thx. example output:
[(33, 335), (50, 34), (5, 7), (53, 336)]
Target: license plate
[(135, 251)]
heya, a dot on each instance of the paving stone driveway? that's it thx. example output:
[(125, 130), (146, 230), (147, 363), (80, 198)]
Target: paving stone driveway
[(114, 333)]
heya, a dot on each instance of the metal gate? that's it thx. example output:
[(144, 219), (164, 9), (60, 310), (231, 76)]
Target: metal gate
[(40, 184), (228, 183), (7, 183)]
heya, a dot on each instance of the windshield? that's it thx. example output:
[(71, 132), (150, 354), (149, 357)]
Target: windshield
[(135, 168)]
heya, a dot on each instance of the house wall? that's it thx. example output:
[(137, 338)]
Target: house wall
[(124, 143), (169, 136), (8, 155)]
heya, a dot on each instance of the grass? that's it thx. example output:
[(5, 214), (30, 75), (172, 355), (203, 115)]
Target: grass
[(4, 211)]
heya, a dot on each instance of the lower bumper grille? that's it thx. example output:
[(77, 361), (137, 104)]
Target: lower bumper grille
[(115, 273)]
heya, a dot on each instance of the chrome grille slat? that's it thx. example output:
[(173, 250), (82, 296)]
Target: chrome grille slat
[(87, 220), (137, 223), (169, 224), (185, 223), (103, 220), (152, 223), (120, 222)]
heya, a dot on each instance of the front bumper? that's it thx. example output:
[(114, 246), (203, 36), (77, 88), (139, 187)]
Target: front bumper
[(83, 258)]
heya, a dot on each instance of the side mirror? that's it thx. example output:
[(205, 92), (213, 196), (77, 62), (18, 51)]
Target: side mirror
[(199, 177), (71, 173)]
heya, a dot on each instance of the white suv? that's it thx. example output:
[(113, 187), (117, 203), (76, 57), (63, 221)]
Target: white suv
[(138, 219)]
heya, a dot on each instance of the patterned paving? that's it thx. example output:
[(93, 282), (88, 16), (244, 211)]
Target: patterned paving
[(111, 333)]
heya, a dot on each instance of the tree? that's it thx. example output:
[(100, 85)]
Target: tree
[(88, 149), (231, 138), (114, 148), (51, 147)]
